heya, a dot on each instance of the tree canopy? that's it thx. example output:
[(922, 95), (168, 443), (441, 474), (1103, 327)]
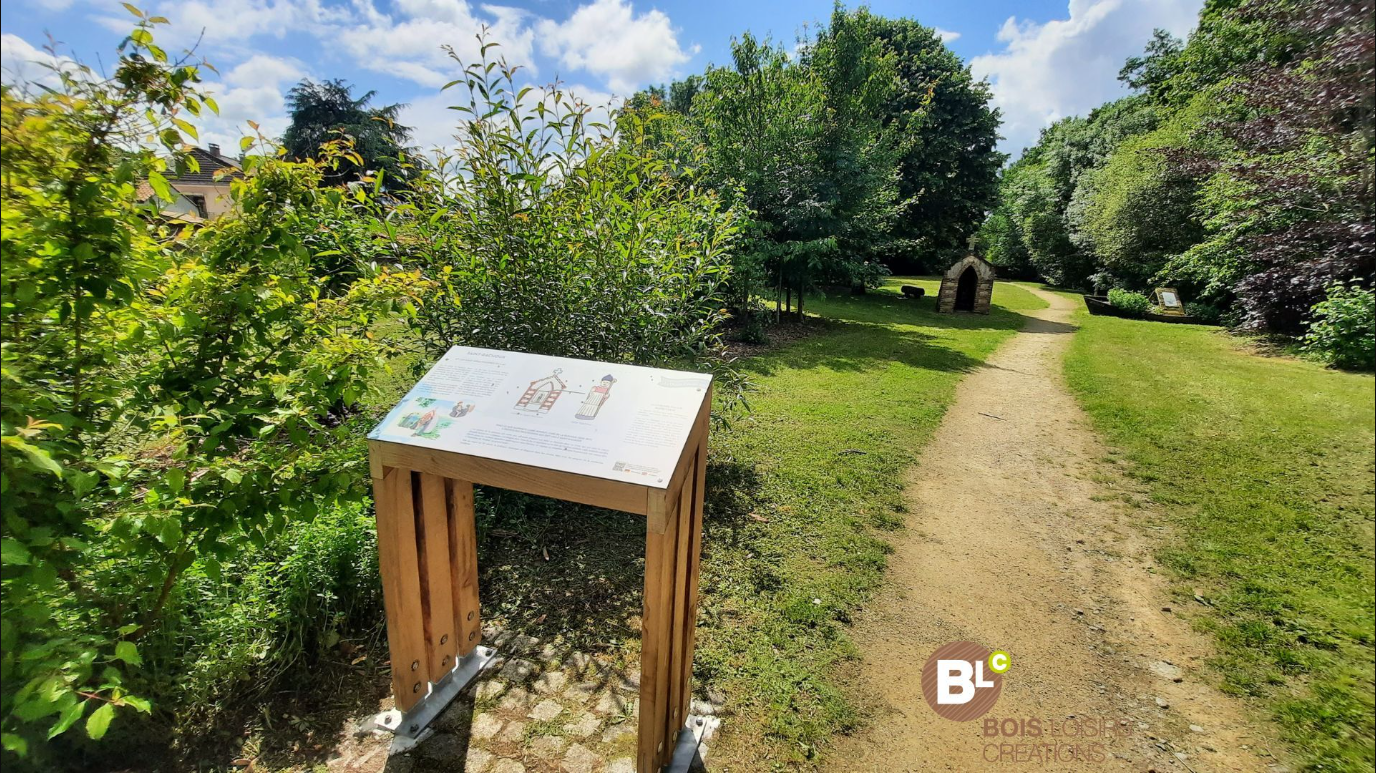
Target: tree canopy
[(1241, 170), (328, 110)]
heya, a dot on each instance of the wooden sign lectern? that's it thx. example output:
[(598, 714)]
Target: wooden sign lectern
[(617, 436)]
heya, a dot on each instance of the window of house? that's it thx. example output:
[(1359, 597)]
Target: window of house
[(199, 203)]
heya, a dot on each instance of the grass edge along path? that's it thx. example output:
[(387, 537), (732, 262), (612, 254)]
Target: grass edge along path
[(801, 494), (1263, 467)]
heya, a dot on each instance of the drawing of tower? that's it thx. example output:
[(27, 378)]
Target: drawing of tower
[(596, 397), (539, 397)]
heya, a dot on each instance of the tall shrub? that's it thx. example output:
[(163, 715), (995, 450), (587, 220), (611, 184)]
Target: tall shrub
[(167, 402), (548, 231)]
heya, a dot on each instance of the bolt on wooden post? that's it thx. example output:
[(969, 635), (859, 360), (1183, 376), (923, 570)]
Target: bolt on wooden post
[(617, 436)]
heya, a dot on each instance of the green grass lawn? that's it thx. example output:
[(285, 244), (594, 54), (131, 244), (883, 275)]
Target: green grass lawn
[(801, 493), (1265, 468)]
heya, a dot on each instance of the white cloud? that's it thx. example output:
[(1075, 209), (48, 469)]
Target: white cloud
[(408, 44), (1066, 67), (607, 38), (946, 35), (22, 62), (434, 125), (251, 91)]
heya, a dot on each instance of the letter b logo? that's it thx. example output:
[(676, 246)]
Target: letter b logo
[(955, 684)]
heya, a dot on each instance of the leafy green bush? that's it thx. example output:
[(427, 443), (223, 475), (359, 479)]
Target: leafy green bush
[(232, 634), (1136, 304), (168, 404), (1206, 313), (1343, 330), (555, 234)]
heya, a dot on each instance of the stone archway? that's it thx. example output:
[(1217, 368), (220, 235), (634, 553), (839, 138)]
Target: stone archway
[(965, 289), (967, 286)]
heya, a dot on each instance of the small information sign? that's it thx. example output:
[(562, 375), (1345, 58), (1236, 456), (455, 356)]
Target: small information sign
[(617, 436), (619, 422), (1169, 301)]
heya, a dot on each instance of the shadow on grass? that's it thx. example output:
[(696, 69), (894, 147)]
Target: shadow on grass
[(862, 345)]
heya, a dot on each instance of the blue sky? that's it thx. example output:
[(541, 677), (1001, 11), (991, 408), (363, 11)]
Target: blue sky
[(1045, 59)]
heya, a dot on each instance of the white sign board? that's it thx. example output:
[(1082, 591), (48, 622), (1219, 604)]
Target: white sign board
[(620, 422)]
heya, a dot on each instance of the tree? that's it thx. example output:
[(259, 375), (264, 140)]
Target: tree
[(1037, 191), (1137, 211), (946, 136), (761, 139), (857, 153), (321, 112), (1288, 207)]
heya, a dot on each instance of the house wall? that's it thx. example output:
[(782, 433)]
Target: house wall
[(217, 200)]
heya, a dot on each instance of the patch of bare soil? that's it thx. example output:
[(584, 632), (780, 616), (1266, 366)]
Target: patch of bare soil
[(1022, 538), (780, 334)]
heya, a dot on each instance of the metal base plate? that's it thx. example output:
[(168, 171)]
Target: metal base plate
[(413, 726), (696, 730)]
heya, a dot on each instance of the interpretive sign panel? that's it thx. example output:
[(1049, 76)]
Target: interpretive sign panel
[(1168, 298), (618, 422)]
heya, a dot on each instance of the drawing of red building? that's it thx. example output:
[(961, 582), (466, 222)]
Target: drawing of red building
[(540, 396)]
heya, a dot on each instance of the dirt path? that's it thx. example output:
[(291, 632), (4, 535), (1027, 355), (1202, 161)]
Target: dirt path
[(1020, 539)]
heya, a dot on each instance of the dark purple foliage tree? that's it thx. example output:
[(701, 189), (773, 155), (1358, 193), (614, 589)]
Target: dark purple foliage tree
[(1304, 160)]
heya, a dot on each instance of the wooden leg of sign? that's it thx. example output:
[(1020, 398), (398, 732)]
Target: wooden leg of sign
[(693, 525), (398, 561), (463, 560), (655, 740), (670, 619), (432, 542)]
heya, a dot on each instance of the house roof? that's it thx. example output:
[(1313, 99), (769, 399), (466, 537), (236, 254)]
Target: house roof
[(211, 162)]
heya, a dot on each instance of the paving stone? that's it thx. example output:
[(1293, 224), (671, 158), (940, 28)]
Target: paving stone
[(621, 765), (611, 703), (454, 719), (516, 700), (617, 732), (490, 689), (545, 711), (506, 766), (583, 690), (579, 661), (441, 746), (514, 733), (580, 759), (551, 682), (629, 683), (477, 760), (485, 726), (523, 643), (582, 727), (547, 746), (518, 670)]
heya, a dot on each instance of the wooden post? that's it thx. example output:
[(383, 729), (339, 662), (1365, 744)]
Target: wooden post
[(669, 618), (428, 558), (398, 563)]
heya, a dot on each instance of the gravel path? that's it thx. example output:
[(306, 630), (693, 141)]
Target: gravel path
[(1023, 538)]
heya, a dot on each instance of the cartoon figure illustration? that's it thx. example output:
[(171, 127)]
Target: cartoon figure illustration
[(540, 396), (461, 410), (423, 425), (596, 397), (410, 420)]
